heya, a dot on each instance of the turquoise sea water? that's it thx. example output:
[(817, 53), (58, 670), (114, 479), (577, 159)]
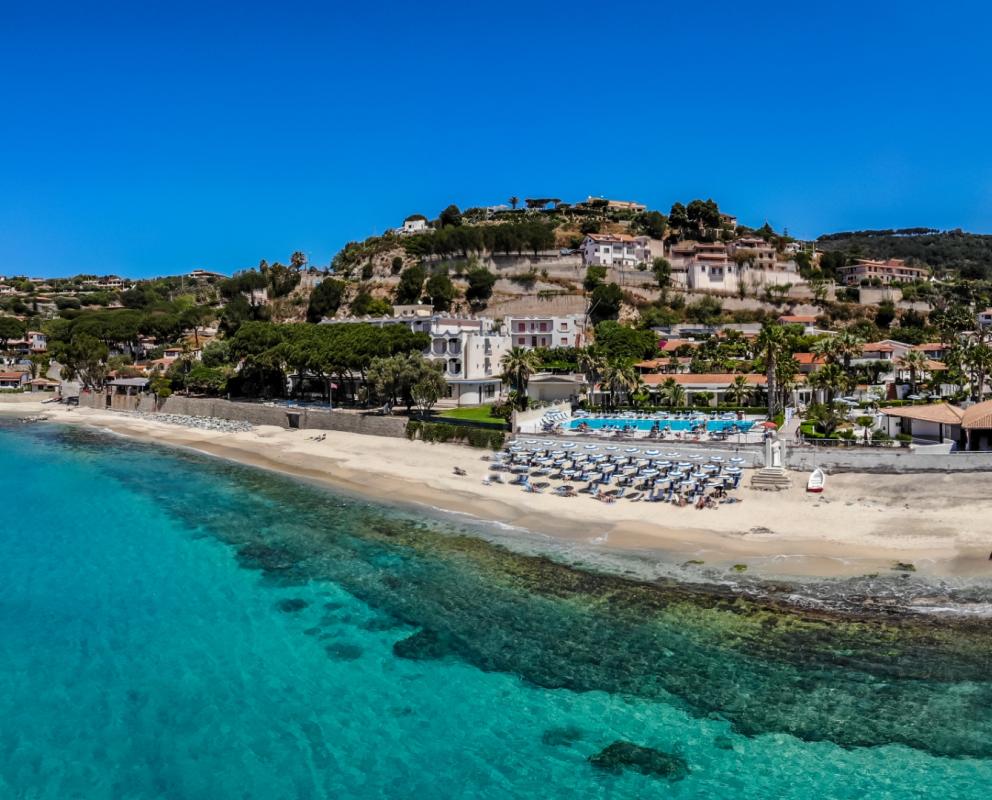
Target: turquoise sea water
[(177, 627)]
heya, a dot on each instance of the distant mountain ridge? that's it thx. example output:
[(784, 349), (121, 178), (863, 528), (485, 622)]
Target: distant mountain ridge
[(955, 251)]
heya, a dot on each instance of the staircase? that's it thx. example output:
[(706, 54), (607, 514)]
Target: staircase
[(771, 479)]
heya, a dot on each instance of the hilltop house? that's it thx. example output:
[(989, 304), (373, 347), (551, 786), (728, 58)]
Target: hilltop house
[(415, 223), (889, 271), (725, 267), (615, 250)]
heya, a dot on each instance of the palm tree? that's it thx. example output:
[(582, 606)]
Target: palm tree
[(845, 347), (786, 370), (771, 345), (916, 363), (518, 365), (513, 202), (620, 379), (978, 358), (673, 393), (739, 391), (831, 379), (592, 364)]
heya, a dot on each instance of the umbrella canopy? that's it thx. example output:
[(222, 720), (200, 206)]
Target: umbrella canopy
[(767, 424)]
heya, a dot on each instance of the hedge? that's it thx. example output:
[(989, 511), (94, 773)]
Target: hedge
[(443, 432)]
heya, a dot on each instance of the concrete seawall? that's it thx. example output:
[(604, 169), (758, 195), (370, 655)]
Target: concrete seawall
[(255, 413)]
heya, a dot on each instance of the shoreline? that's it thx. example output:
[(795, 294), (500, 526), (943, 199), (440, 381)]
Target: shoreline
[(862, 526)]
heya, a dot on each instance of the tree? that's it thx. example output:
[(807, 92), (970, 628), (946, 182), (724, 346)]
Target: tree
[(662, 269), (618, 342), (771, 345), (10, 328), (605, 302), (429, 387), (594, 277), (396, 265), (885, 314), (410, 287), (916, 362), (619, 379), (441, 290), (480, 286), (513, 201), (451, 217), (298, 260), (325, 299), (592, 364), (518, 365), (652, 223), (365, 304), (84, 359), (707, 310), (739, 391), (678, 219), (673, 393)]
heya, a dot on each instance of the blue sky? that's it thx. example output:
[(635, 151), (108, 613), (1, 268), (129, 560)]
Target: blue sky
[(150, 139)]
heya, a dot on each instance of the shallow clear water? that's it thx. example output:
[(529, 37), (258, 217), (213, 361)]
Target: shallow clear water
[(598, 423), (173, 626)]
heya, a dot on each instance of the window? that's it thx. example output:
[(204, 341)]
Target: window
[(564, 341)]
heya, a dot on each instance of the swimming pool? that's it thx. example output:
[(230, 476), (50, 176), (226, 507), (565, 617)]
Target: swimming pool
[(671, 424)]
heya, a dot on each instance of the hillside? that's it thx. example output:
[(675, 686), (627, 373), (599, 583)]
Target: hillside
[(966, 254)]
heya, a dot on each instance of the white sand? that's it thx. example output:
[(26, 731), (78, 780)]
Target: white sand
[(862, 523)]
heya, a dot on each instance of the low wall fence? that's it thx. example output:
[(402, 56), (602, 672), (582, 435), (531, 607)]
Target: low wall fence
[(255, 413)]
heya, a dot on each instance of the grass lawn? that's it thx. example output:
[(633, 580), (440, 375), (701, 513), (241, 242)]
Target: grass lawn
[(475, 413)]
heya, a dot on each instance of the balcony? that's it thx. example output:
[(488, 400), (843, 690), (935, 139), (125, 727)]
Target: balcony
[(438, 347), (454, 367), (454, 347)]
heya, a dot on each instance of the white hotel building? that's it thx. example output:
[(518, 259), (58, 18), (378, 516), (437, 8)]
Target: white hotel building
[(470, 349), (547, 331)]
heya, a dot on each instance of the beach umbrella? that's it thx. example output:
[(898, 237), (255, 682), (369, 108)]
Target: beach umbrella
[(673, 455), (591, 446), (767, 424), (736, 460), (652, 452), (716, 459), (631, 450)]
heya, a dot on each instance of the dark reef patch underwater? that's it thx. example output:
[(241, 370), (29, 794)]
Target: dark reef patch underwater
[(443, 595)]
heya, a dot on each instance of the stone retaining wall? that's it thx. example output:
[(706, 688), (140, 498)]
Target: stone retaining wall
[(256, 413), (887, 460)]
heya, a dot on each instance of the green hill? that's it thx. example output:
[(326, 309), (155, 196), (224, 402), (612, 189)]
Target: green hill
[(966, 254)]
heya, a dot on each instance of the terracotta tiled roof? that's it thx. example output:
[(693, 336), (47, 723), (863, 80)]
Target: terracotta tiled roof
[(937, 412), (930, 347), (978, 416), (706, 379), (798, 319), (806, 359), (675, 344), (11, 376)]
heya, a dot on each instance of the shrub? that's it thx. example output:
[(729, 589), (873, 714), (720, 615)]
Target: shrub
[(442, 432)]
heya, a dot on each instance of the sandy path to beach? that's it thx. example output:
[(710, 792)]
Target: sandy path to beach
[(863, 523)]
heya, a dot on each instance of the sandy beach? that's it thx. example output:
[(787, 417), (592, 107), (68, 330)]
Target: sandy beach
[(863, 523)]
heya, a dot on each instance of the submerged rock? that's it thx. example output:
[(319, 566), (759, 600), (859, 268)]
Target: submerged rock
[(562, 737), (424, 645), (342, 651), (646, 760), (265, 557), (292, 604)]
